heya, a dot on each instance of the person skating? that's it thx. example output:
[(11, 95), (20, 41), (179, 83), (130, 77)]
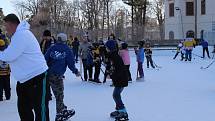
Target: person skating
[(119, 82), (75, 47), (148, 54), (96, 61), (28, 66), (179, 50), (111, 46), (58, 57), (204, 44), (140, 59), (47, 41), (85, 53), (124, 53), (189, 44), (4, 72)]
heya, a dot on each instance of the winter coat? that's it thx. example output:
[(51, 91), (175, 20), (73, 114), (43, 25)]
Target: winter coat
[(111, 45), (118, 71), (83, 49), (189, 43), (125, 56), (24, 55), (148, 52), (46, 44), (58, 57), (140, 55), (75, 45), (204, 44)]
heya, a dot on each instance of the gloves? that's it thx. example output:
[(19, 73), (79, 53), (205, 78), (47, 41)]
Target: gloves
[(78, 74)]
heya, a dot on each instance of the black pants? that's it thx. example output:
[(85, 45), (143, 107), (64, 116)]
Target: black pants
[(5, 86), (97, 71), (88, 68), (32, 96), (127, 67), (206, 49), (107, 69), (149, 60)]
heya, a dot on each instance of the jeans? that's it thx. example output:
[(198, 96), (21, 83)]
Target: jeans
[(140, 69), (188, 55), (117, 98)]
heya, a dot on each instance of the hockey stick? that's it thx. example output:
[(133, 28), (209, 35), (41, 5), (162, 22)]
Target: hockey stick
[(137, 74), (102, 71), (208, 65), (197, 55), (156, 65), (81, 69)]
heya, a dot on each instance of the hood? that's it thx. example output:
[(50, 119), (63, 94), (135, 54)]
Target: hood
[(24, 25)]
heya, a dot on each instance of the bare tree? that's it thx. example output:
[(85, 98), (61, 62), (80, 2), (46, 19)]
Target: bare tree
[(158, 10), (139, 11)]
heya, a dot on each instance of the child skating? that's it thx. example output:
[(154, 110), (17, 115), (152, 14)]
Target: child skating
[(140, 59), (118, 69)]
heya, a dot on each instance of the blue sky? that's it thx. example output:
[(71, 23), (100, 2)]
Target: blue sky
[(7, 6)]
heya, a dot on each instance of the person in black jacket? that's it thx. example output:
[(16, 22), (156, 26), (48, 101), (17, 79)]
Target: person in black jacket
[(75, 47), (119, 77)]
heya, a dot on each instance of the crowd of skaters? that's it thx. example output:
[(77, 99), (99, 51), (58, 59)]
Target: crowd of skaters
[(186, 46), (39, 68)]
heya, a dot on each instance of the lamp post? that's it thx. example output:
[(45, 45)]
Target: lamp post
[(182, 27), (195, 13)]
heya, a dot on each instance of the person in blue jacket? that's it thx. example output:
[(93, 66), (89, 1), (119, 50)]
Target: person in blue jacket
[(140, 59), (204, 44), (58, 57)]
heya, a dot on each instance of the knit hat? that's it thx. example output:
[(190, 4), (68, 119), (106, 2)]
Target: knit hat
[(47, 33), (141, 43), (124, 45), (111, 45), (62, 37)]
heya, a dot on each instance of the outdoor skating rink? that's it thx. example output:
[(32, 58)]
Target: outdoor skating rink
[(179, 91)]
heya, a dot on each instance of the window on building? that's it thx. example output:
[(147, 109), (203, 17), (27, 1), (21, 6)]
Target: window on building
[(171, 35), (203, 7), (189, 8), (190, 33), (171, 9), (202, 34)]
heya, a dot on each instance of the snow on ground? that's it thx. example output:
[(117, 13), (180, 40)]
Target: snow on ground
[(179, 91)]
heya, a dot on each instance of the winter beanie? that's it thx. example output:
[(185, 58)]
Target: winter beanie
[(62, 37), (47, 33), (124, 45), (111, 45)]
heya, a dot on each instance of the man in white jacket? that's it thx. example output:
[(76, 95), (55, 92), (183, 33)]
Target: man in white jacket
[(28, 66)]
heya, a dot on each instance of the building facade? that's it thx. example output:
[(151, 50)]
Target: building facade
[(195, 17)]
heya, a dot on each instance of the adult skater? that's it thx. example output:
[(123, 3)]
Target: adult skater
[(84, 53), (28, 66), (58, 57), (204, 44), (189, 44)]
